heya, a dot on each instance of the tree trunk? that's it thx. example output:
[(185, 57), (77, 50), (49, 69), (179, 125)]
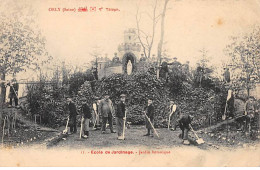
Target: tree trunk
[(2, 96), (159, 55), (3, 89)]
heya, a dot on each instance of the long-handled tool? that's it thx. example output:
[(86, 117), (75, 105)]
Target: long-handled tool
[(95, 121), (3, 132), (169, 122), (224, 115), (228, 97), (81, 127), (152, 125), (65, 131), (124, 126), (199, 140), (81, 130)]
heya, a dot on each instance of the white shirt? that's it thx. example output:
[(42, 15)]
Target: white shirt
[(173, 108)]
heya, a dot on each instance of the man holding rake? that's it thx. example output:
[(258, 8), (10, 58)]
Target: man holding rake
[(121, 117)]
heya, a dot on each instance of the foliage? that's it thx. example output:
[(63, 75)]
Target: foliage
[(22, 47), (244, 52), (77, 79), (48, 101)]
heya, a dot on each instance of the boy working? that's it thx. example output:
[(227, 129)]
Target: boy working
[(120, 116), (173, 116), (86, 113), (150, 118), (72, 115), (184, 122)]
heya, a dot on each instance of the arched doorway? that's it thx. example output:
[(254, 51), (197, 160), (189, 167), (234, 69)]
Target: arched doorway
[(128, 57)]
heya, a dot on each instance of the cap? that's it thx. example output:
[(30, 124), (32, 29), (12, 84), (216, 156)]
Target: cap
[(122, 95), (83, 99)]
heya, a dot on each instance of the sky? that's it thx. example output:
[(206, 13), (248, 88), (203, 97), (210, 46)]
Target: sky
[(190, 26)]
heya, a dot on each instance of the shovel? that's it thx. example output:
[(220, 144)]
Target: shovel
[(224, 116), (169, 122), (199, 140), (65, 131), (95, 121), (124, 126), (81, 129)]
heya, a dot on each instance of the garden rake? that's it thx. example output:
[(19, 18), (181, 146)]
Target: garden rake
[(152, 126)]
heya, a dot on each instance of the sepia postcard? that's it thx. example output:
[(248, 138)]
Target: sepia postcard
[(129, 83)]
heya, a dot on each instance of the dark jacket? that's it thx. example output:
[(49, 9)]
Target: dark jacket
[(120, 111), (184, 121), (150, 112), (86, 111), (72, 109), (13, 90), (227, 76)]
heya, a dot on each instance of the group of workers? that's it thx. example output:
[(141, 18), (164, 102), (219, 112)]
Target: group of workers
[(106, 110)]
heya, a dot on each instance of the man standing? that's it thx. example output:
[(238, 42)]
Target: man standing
[(150, 118), (164, 70), (72, 115), (95, 114), (230, 104), (120, 116), (199, 75), (107, 111), (226, 75), (13, 93), (184, 122), (174, 115), (86, 113), (250, 112)]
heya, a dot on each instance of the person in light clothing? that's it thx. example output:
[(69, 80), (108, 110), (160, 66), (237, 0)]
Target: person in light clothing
[(174, 114), (107, 111)]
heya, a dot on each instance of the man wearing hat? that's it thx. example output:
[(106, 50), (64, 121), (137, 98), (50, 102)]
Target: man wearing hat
[(226, 75), (96, 113), (174, 115), (150, 118), (251, 111), (13, 93), (86, 114), (107, 111), (184, 122), (72, 115), (120, 116)]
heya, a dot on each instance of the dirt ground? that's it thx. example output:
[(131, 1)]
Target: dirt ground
[(167, 139), (29, 134)]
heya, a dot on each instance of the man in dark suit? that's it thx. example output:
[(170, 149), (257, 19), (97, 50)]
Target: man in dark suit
[(86, 113), (184, 123), (13, 93), (72, 115), (120, 116), (150, 116), (226, 75)]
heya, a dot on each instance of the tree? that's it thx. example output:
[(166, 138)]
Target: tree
[(20, 48), (160, 45), (145, 39), (245, 53)]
